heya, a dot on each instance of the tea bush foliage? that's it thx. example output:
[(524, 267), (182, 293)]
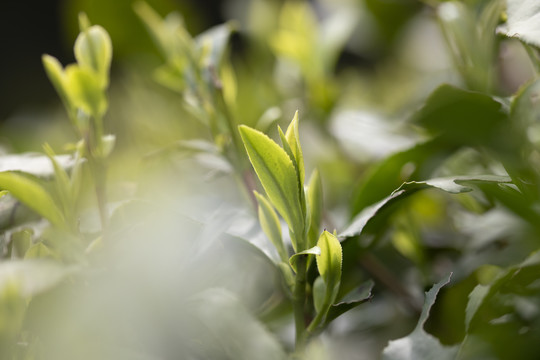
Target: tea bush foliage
[(171, 217)]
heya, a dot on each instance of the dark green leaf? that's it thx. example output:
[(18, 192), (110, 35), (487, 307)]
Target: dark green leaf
[(417, 162), (454, 185), (357, 297), (463, 117), (419, 344)]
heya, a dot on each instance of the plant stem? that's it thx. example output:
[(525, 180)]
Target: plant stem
[(299, 299), (100, 179)]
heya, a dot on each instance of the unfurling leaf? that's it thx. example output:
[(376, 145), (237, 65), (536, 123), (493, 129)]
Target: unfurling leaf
[(277, 175), (294, 142), (85, 90), (93, 50), (314, 201), (312, 251), (57, 76), (329, 265)]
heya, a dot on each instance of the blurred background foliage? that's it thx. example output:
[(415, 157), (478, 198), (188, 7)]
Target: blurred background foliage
[(366, 77)]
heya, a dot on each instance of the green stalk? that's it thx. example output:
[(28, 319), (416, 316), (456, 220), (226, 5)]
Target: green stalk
[(100, 183), (98, 169), (299, 300)]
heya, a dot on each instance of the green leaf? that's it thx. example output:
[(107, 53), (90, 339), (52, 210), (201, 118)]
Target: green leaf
[(406, 165), (419, 344), (454, 185), (93, 50), (314, 200), (293, 140), (33, 195), (463, 117), (57, 76), (271, 225), (329, 264), (319, 293), (517, 279), (476, 297), (290, 153), (278, 177), (361, 295), (523, 21), (312, 251), (85, 90)]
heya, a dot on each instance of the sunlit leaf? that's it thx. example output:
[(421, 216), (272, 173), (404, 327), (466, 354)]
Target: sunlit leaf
[(85, 90), (57, 76), (294, 142), (277, 175), (33, 195), (314, 199), (93, 49), (419, 344), (329, 264), (312, 251)]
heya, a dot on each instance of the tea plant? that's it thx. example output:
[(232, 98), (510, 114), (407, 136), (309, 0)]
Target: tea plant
[(262, 261)]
